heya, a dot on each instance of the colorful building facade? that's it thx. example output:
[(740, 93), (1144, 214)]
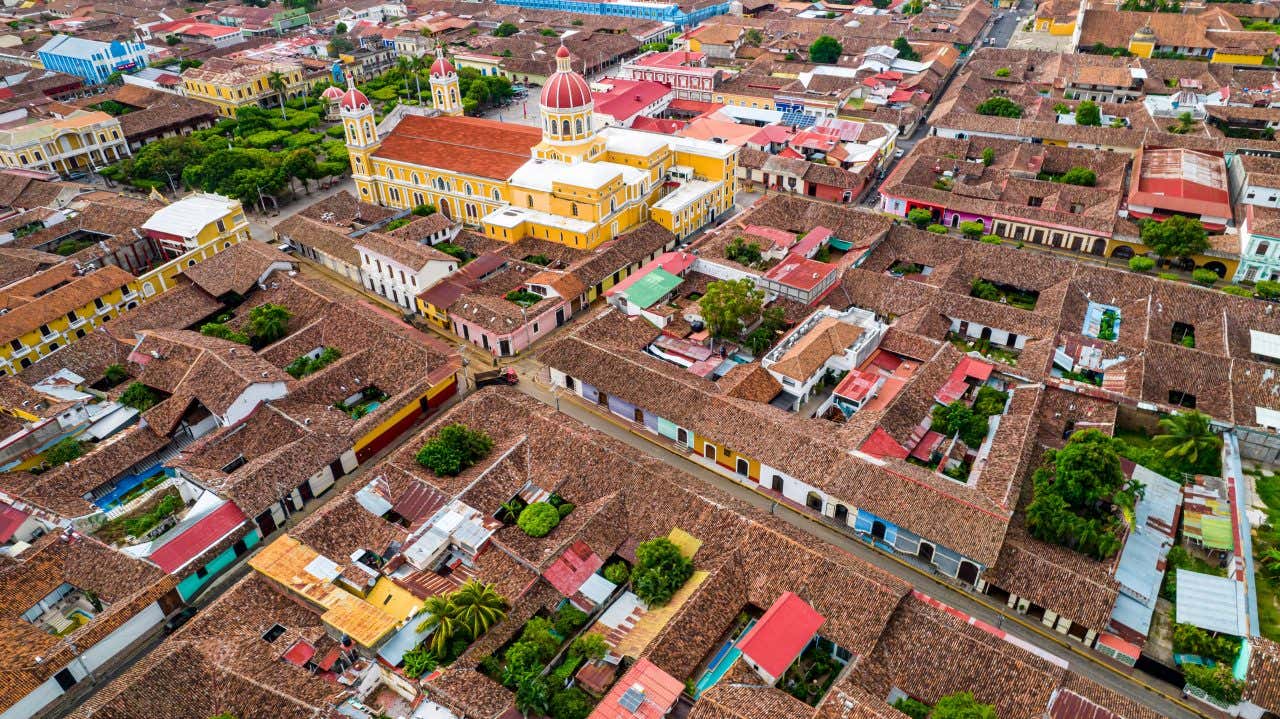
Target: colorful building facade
[(92, 60)]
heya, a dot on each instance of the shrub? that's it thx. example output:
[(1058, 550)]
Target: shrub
[(1204, 277), (991, 239), (568, 620), (1238, 291), (537, 632), (990, 401), (115, 374), (64, 451), (937, 229), (454, 449), (1188, 639), (571, 703), (538, 519), (919, 217), (1088, 114), (395, 224), (1082, 176), (617, 572), (988, 156), (660, 571), (1168, 276), (305, 365), (972, 230), (565, 509), (1003, 72), (335, 131), (1217, 681), (138, 396), (912, 708), (1267, 289), (999, 107), (1141, 264), (221, 331), (419, 661), (424, 210)]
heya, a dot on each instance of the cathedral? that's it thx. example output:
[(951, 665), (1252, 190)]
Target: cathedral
[(569, 181)]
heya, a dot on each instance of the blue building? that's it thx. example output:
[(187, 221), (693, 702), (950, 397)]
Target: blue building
[(659, 11), (92, 60)]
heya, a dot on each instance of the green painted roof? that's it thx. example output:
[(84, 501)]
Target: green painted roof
[(1216, 533), (647, 290)]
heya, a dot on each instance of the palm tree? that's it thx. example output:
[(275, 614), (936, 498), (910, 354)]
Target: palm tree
[(276, 82), (477, 607), (1186, 436), (440, 620), (404, 66), (511, 509), (268, 322), (420, 63)]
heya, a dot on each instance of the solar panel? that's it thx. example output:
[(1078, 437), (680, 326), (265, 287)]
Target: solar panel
[(632, 698), (798, 119)]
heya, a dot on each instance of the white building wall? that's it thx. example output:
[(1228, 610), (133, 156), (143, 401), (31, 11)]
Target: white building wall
[(254, 395)]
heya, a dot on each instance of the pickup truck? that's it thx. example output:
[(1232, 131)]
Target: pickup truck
[(506, 375)]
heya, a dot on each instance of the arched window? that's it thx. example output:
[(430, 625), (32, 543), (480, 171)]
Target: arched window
[(439, 97), (391, 174), (467, 188), (453, 95), (613, 204), (577, 125), (1261, 248), (589, 126), (417, 180), (497, 196), (368, 129), (529, 199), (564, 127), (440, 184), (573, 208)]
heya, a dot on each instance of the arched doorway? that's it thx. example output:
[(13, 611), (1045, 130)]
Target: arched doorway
[(1122, 252), (813, 501), (968, 572), (777, 483), (842, 514), (878, 529), (1217, 268), (925, 552), (445, 209)]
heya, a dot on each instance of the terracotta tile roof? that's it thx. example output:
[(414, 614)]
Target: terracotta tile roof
[(745, 701), (407, 252), (237, 268), (176, 309), (88, 357), (466, 145), (77, 293), (1263, 688)]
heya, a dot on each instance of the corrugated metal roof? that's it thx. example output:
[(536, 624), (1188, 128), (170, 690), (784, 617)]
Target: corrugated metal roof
[(1213, 603)]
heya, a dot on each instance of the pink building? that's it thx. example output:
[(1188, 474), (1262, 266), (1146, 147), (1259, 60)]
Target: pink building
[(686, 73), (506, 324)]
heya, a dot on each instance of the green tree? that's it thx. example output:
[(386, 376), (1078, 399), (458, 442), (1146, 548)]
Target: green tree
[(905, 51), (569, 619), (1087, 471), (999, 107), (1088, 114), (506, 29), (66, 450), (441, 621), (617, 572), (138, 396), (419, 661), (912, 708), (727, 303), (920, 217), (743, 252), (571, 703), (538, 519), (339, 45), (962, 706), (533, 696), (340, 28), (591, 646), (1082, 176), (988, 156), (1188, 437), (1178, 236), (268, 322), (1267, 289), (758, 341), (454, 448), (276, 81), (477, 607), (661, 569), (825, 49), (753, 37), (522, 658)]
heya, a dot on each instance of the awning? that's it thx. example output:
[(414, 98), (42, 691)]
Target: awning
[(10, 520)]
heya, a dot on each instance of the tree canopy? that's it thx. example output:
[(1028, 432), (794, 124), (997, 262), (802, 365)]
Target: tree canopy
[(727, 303), (1082, 176), (905, 51), (1087, 113), (661, 569), (1178, 236), (999, 107), (825, 49), (1075, 489)]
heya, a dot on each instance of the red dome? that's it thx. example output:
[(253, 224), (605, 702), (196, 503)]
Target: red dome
[(565, 89), (562, 52), (353, 99), (441, 67), (333, 92)]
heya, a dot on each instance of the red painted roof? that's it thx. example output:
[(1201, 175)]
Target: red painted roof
[(880, 444), (10, 519), (968, 368), (466, 145), (655, 124), (928, 443), (441, 67), (573, 568), (659, 688), (857, 385), (300, 653), (800, 272), (1181, 180), (781, 634), (327, 662), (194, 540), (627, 97), (353, 99)]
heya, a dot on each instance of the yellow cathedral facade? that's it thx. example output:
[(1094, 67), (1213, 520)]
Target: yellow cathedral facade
[(568, 181)]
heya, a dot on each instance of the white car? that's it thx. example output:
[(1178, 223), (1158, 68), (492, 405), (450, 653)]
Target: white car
[(898, 153)]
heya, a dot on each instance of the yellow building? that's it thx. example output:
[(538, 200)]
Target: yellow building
[(67, 144), (233, 84), (568, 181), (56, 307)]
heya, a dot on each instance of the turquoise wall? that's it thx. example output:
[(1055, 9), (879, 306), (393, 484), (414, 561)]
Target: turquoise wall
[(188, 587)]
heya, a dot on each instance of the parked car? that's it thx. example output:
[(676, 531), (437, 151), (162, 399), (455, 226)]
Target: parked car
[(898, 153)]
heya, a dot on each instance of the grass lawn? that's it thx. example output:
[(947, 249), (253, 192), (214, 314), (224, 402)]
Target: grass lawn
[(1268, 588)]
